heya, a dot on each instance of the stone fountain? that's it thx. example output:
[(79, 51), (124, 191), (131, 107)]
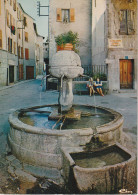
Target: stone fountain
[(47, 146), (66, 65)]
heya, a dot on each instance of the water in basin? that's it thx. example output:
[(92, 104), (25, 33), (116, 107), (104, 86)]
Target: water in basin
[(91, 120), (110, 156)]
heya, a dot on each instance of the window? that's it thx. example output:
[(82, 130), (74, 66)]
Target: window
[(10, 2), (127, 22), (11, 20), (22, 56), (10, 45), (7, 15), (1, 39), (14, 5), (26, 36), (65, 15), (24, 21), (19, 34), (19, 51), (26, 54), (15, 48)]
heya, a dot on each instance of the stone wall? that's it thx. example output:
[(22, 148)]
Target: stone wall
[(82, 25), (129, 42)]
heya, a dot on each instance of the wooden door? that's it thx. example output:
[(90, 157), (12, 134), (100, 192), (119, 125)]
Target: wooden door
[(126, 74), (21, 72), (11, 74), (29, 72)]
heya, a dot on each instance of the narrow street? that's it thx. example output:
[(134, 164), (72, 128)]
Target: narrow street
[(30, 94)]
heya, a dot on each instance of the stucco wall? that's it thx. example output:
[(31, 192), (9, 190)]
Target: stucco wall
[(82, 25), (98, 32)]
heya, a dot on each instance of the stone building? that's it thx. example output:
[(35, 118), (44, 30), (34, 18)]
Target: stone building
[(108, 35), (17, 43), (114, 41)]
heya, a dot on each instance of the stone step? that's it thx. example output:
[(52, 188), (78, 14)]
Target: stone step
[(127, 91)]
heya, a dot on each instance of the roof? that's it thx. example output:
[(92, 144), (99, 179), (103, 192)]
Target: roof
[(35, 28), (24, 11)]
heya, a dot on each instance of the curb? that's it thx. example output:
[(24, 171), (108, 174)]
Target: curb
[(16, 84)]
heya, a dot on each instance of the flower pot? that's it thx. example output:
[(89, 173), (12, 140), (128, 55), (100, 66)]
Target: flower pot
[(67, 46)]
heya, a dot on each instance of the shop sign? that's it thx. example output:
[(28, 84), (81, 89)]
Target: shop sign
[(115, 43)]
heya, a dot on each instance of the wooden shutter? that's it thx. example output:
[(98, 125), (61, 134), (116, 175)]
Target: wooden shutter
[(0, 7), (26, 53), (72, 15), (9, 43), (22, 56), (15, 48), (130, 22), (7, 15), (11, 48), (26, 36), (18, 51), (123, 22), (0, 38), (11, 20), (59, 15)]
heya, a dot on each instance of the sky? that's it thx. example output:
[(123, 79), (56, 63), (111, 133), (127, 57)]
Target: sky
[(30, 7)]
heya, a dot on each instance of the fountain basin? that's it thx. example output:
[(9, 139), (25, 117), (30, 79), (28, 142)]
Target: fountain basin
[(105, 171), (41, 147)]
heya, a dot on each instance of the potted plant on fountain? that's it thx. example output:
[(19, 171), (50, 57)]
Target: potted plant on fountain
[(67, 41)]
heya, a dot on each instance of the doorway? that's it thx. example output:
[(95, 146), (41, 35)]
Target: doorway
[(29, 72), (126, 74), (20, 71), (11, 74)]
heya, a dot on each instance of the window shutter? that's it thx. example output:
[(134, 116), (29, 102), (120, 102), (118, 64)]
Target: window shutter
[(72, 15), (123, 22), (130, 21), (26, 36), (22, 56), (0, 38), (9, 44), (25, 21), (59, 15), (7, 14), (15, 48), (19, 51), (27, 54), (11, 20)]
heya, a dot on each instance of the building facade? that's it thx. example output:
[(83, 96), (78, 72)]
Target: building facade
[(18, 40), (78, 15), (116, 44), (108, 35)]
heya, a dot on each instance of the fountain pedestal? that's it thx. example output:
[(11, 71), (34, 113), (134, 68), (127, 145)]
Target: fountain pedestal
[(66, 95), (66, 65)]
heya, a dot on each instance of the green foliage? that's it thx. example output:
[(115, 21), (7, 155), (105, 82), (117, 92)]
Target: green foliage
[(68, 37)]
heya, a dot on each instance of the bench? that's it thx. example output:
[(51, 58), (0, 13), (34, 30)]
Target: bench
[(81, 87)]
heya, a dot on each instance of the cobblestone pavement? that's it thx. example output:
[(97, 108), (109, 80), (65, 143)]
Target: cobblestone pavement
[(28, 94)]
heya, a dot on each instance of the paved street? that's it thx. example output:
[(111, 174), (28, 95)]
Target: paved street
[(30, 94)]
